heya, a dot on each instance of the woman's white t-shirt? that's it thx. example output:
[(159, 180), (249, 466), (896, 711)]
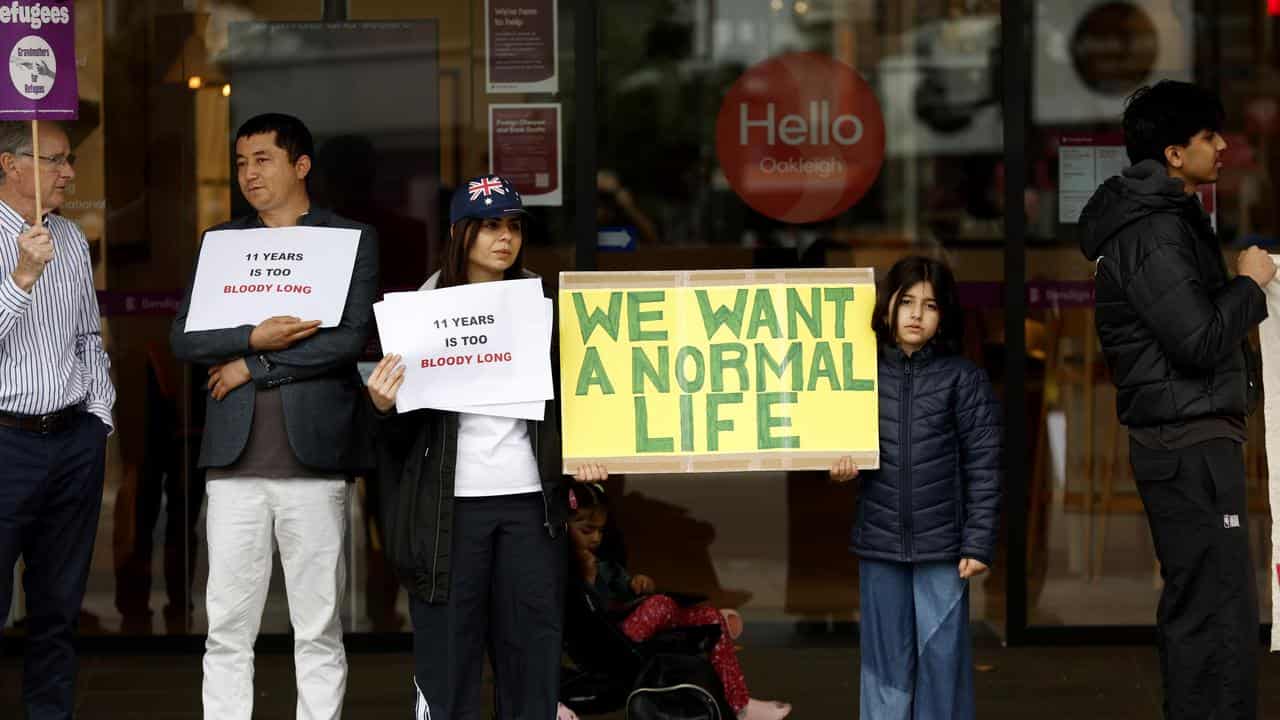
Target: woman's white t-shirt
[(495, 457)]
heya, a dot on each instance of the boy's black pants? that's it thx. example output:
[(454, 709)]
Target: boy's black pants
[(506, 595), (1207, 621)]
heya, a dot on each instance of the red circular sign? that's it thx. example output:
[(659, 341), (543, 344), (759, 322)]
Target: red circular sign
[(800, 137)]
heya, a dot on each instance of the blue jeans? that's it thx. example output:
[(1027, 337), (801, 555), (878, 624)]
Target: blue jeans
[(917, 658)]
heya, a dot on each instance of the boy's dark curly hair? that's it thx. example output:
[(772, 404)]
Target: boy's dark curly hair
[(1168, 113)]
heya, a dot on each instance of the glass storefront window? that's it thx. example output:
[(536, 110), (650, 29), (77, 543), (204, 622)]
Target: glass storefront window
[(763, 134), (153, 142), (871, 131), (1089, 549), (400, 116)]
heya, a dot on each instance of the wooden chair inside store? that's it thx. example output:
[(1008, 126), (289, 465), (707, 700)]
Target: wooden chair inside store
[(1077, 370), (1042, 338), (1082, 375), (985, 330), (1109, 500), (1071, 371)]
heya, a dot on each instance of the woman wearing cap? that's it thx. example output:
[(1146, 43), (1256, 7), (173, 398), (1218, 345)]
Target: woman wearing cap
[(475, 526)]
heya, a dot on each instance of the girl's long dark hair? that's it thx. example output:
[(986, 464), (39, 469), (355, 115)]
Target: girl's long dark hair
[(453, 271), (902, 276)]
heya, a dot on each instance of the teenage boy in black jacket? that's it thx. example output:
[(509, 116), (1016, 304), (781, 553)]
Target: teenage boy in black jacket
[(1174, 326)]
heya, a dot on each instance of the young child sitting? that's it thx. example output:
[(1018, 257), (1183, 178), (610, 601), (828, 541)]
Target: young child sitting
[(648, 613)]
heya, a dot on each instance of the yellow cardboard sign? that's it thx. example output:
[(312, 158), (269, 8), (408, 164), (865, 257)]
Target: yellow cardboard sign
[(718, 370)]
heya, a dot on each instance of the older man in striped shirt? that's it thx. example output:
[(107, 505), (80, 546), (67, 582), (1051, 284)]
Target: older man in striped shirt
[(55, 409)]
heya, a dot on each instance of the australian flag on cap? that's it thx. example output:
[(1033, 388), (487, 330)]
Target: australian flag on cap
[(485, 197)]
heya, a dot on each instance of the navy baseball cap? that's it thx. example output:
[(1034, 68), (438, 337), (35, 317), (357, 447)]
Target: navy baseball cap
[(486, 196)]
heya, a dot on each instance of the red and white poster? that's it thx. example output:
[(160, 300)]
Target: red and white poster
[(800, 137), (491, 359), (246, 276), (524, 147), (520, 42)]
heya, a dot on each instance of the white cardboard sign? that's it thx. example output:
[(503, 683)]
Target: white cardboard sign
[(246, 276), (1269, 334), (483, 348)]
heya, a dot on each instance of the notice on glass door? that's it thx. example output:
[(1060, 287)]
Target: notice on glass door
[(524, 147), (520, 42), (1085, 161)]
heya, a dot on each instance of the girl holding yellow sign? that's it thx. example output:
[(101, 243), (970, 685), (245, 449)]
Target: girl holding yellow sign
[(926, 520)]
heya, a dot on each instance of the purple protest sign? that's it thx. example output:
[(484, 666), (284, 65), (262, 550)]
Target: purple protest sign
[(39, 38)]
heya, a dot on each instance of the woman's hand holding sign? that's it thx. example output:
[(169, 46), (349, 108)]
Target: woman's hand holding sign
[(384, 383), (281, 332)]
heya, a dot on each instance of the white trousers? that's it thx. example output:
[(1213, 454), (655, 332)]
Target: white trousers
[(306, 518)]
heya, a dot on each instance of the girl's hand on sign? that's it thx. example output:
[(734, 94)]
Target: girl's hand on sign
[(843, 470), (970, 568), (385, 382), (591, 472)]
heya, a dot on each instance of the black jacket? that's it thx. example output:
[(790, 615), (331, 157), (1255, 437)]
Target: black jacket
[(322, 392), (936, 495), (417, 459), (1173, 324)]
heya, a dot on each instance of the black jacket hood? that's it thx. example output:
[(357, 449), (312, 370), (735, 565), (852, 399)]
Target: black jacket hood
[(1139, 191)]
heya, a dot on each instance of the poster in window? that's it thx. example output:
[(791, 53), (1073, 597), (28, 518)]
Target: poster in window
[(524, 147), (520, 46)]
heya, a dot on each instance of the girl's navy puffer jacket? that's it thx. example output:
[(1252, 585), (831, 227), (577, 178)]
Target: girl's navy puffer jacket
[(936, 495)]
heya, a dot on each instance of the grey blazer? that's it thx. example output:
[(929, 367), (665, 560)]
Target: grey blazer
[(320, 388)]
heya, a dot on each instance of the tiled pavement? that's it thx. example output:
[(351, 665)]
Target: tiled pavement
[(1039, 683)]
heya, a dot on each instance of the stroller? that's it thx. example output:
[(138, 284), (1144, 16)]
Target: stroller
[(608, 667)]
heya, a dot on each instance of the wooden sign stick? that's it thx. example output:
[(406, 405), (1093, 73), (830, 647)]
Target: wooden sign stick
[(35, 160)]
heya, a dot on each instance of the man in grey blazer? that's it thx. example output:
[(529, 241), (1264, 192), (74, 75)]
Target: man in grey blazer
[(281, 437)]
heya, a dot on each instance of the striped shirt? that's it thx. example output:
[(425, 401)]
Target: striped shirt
[(51, 354)]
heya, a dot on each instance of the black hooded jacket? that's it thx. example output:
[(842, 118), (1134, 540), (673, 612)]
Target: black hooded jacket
[(1172, 322)]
